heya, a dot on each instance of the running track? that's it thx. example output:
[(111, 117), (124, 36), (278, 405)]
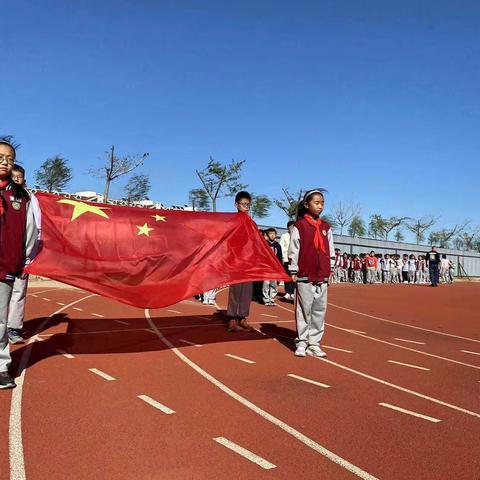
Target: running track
[(110, 391)]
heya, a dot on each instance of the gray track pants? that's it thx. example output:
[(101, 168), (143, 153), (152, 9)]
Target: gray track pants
[(16, 310), (239, 299), (5, 295), (269, 291), (310, 309)]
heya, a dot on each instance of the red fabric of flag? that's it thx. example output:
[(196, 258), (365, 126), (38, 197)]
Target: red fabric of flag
[(149, 258)]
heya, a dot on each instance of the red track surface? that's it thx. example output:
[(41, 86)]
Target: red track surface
[(78, 425)]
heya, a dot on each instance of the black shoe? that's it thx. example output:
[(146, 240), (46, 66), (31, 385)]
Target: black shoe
[(6, 381)]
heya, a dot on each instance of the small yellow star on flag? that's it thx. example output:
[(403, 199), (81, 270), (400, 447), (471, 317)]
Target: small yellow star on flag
[(79, 208), (144, 229), (159, 218)]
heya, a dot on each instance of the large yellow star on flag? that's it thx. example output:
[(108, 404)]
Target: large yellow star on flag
[(144, 229), (79, 208), (159, 218)]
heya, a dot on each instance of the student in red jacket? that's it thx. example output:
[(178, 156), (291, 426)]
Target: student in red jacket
[(17, 238), (311, 259), (372, 265)]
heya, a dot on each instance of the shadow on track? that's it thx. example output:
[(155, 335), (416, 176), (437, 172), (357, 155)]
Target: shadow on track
[(102, 336)]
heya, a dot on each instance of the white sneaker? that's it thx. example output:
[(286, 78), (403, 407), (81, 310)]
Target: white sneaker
[(300, 351), (315, 351)]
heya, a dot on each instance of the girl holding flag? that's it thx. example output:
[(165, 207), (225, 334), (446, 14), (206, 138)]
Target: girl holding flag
[(311, 262)]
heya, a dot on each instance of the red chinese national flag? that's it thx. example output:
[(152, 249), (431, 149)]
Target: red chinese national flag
[(149, 258)]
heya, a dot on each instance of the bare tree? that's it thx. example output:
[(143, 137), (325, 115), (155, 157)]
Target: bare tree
[(443, 237), (115, 167), (344, 212), (419, 226), (468, 238), (221, 180)]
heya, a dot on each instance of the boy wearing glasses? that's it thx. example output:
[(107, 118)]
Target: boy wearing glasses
[(240, 295), (17, 238)]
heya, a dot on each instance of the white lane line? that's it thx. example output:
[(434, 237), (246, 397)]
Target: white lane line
[(185, 341), (15, 439), (451, 360), (468, 351), (267, 315), (403, 324), (156, 404), (409, 341), (402, 389), (60, 303), (398, 346), (409, 412), (78, 309), (98, 315), (36, 294), (261, 462), (356, 331), (47, 299), (264, 414), (336, 348), (409, 365), (313, 382), (122, 322), (173, 311), (104, 375), (239, 358), (65, 354)]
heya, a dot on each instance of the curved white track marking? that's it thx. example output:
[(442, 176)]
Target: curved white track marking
[(267, 416), (402, 389), (403, 324), (15, 442), (403, 347)]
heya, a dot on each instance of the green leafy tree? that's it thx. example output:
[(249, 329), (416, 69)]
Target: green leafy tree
[(54, 174), (219, 180), (260, 206), (376, 225), (357, 227), (137, 188), (199, 199), (115, 167), (398, 235), (380, 227)]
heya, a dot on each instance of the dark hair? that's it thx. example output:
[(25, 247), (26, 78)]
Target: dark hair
[(290, 223), (240, 195), (301, 209), (268, 230), (8, 140), (444, 256), (18, 168)]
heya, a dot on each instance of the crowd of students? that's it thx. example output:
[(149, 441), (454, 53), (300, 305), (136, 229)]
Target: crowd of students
[(391, 268)]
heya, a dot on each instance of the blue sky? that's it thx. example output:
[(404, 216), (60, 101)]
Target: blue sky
[(376, 101)]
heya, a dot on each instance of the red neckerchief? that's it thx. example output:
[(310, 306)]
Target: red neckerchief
[(3, 184), (318, 240)]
